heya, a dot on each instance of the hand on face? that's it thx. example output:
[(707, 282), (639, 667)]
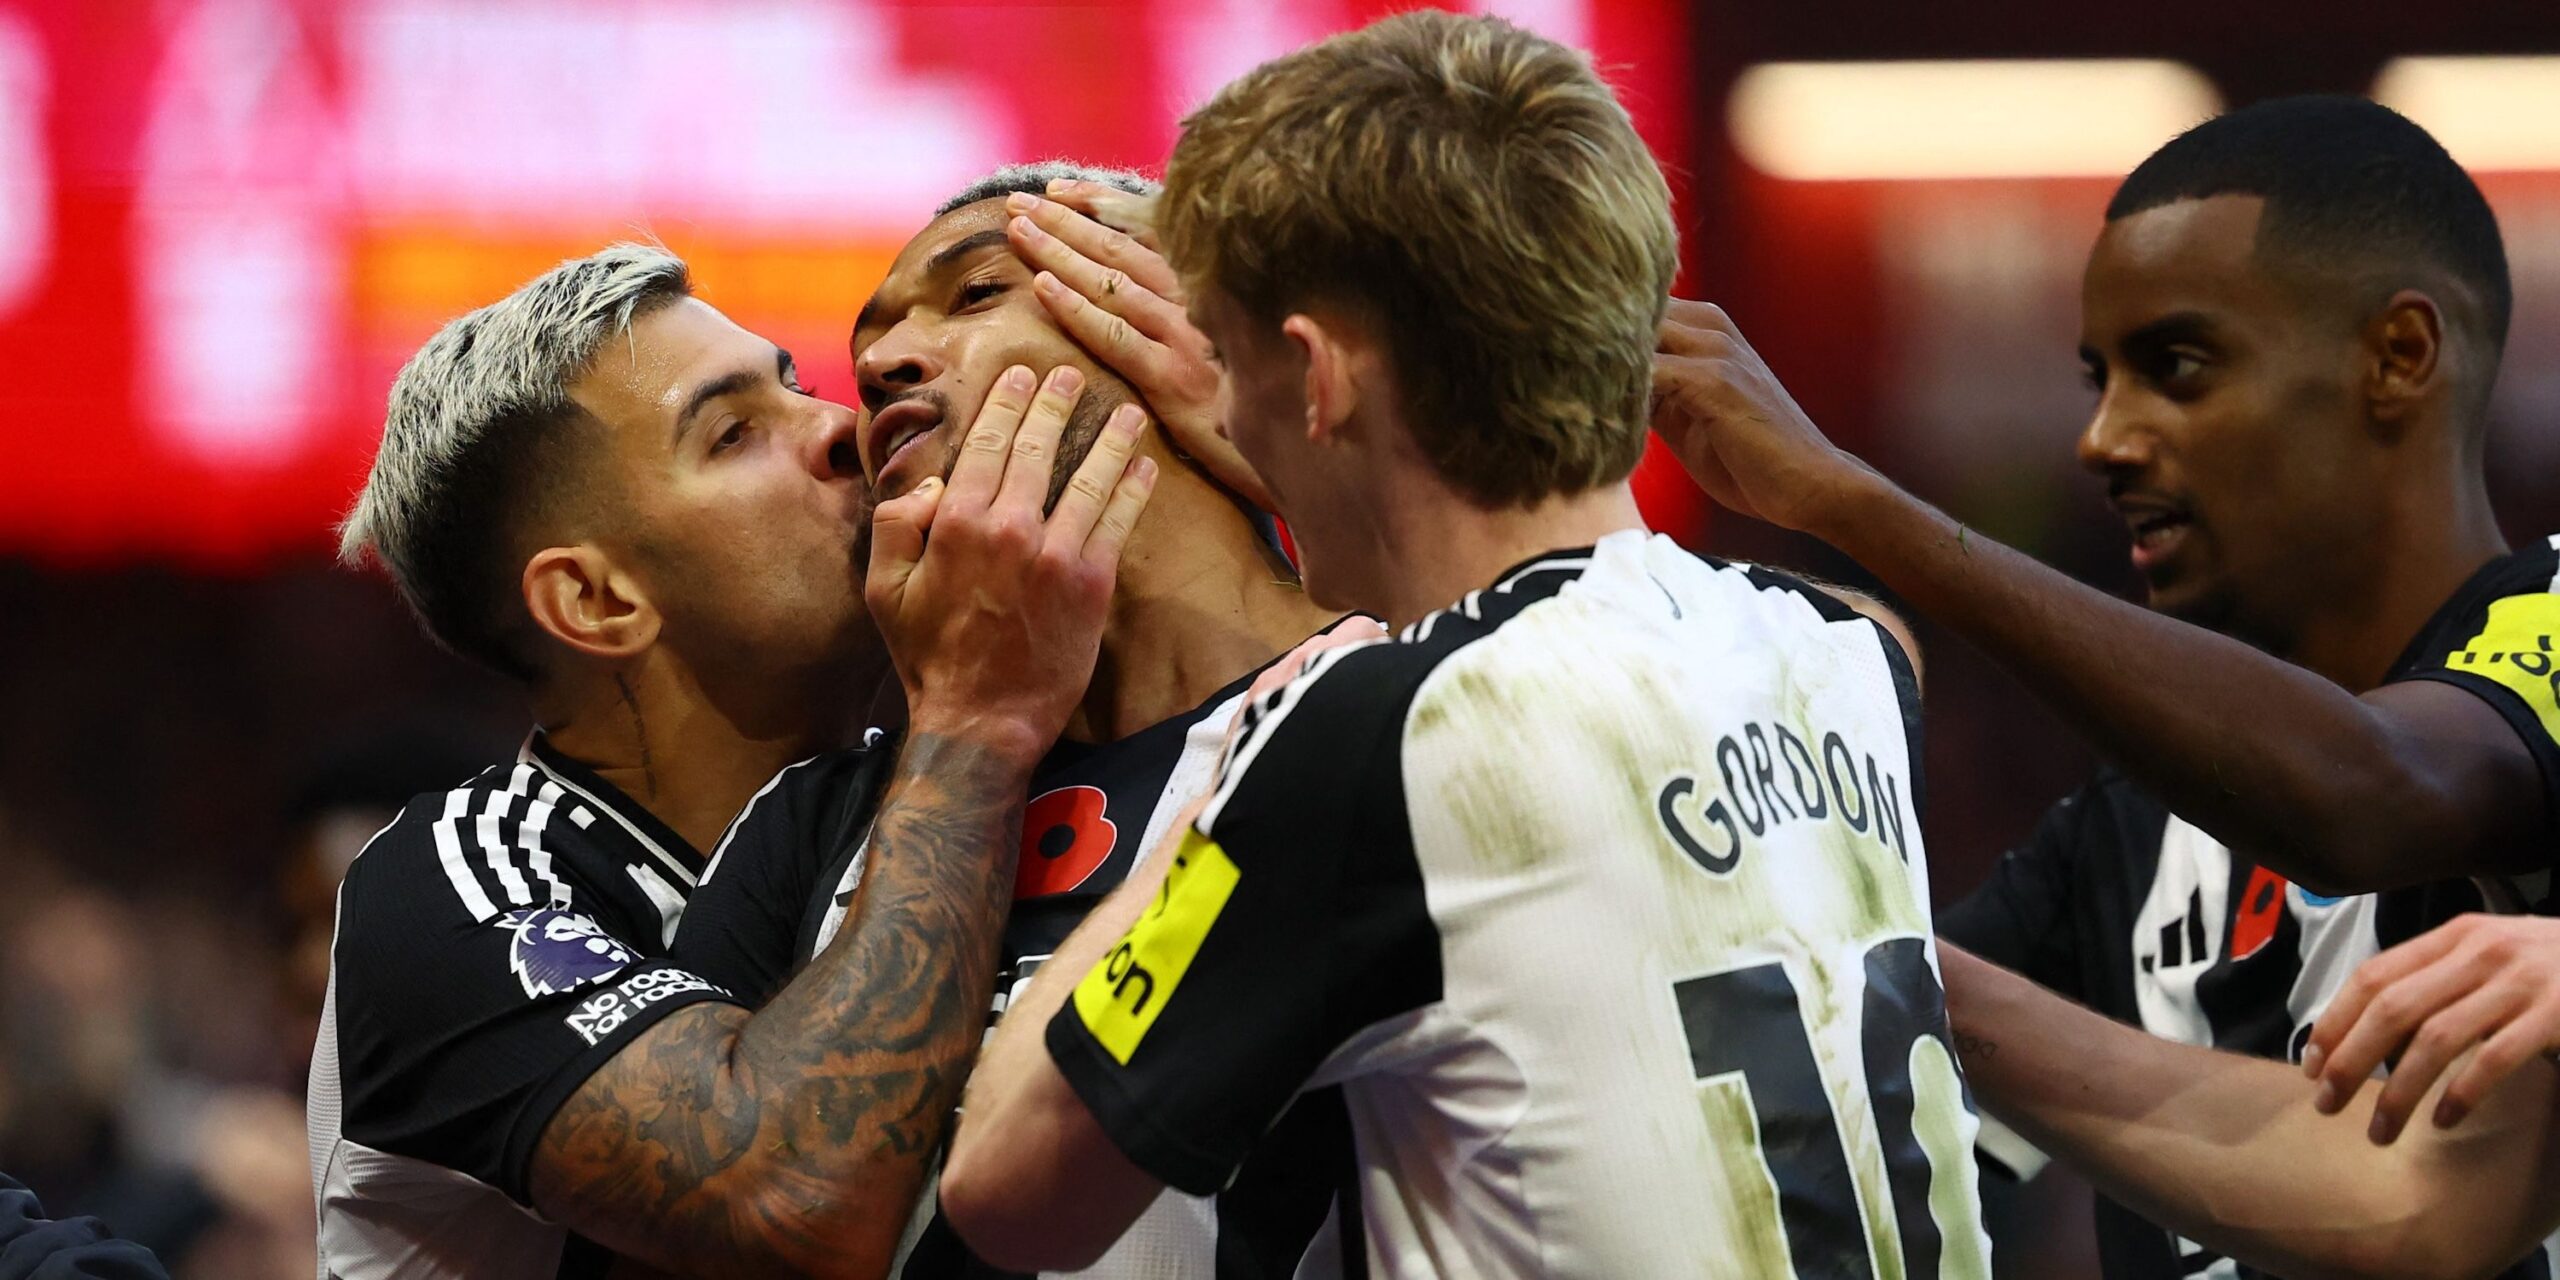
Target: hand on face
[(992, 613), (2486, 986), (1115, 294), (1735, 429)]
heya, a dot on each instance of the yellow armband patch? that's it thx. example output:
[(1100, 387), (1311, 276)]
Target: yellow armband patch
[(1120, 999), (2515, 650)]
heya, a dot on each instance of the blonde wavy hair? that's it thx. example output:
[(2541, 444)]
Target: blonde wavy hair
[(1475, 192)]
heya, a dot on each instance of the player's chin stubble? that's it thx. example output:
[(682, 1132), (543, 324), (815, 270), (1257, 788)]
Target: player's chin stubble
[(1084, 426)]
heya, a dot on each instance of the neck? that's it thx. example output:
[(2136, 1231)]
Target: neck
[(1201, 601), (1431, 546), (2431, 538), (650, 730)]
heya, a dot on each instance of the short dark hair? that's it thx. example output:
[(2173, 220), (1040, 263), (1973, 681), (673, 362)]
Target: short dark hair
[(1034, 179), (2340, 176)]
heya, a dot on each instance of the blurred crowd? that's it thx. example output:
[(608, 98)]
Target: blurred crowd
[(172, 830), (157, 1041)]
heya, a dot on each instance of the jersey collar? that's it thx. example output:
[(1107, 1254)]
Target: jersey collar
[(654, 843), (2489, 582)]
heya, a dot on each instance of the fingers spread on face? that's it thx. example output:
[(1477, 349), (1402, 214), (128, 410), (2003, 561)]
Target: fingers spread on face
[(1041, 223), (1108, 336), (1119, 519), (1035, 446), (989, 441), (1123, 211), (1089, 492), (1068, 275), (898, 529)]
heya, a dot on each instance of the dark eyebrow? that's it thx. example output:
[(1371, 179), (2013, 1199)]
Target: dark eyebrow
[(2175, 327), (963, 247), (727, 384), (939, 262)]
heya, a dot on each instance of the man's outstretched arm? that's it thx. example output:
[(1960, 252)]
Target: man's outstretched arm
[(2410, 783), (798, 1137), (2229, 1151), (795, 1140)]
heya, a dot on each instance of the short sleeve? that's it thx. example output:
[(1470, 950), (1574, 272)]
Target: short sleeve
[(2511, 664), (459, 1037), (1291, 919)]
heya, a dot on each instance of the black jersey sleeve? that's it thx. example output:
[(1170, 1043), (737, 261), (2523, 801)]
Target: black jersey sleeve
[(2024, 917), (749, 926), (1292, 919), (461, 1027), (2505, 655)]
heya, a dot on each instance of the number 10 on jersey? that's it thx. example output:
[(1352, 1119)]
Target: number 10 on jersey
[(1749, 1023)]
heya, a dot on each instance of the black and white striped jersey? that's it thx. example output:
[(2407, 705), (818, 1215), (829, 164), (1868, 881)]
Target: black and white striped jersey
[(1601, 897), (2127, 908), (782, 881), (496, 944)]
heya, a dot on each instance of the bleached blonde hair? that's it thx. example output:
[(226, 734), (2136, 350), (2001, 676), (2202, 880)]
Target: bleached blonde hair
[(471, 455), (1478, 194)]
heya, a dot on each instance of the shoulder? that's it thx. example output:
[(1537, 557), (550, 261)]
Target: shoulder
[(1830, 602), (2508, 611), (466, 870), (806, 806), (426, 866)]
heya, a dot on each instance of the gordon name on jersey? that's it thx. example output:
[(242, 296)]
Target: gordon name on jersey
[(1743, 799), (1601, 896)]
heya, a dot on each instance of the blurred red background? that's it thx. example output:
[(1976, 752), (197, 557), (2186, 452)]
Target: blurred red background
[(229, 223)]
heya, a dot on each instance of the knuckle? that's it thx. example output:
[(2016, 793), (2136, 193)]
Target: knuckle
[(1012, 532), (2434, 1043), (1086, 488)]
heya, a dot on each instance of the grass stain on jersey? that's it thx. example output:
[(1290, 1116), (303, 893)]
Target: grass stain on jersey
[(1761, 1244)]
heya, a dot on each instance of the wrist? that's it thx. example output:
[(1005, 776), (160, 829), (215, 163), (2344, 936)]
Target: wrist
[(1006, 739), (1845, 504)]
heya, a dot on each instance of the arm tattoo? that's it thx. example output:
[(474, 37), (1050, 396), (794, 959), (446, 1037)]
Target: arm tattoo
[(797, 1138)]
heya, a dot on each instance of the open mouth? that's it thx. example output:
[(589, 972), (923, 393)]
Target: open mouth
[(2157, 531), (895, 431)]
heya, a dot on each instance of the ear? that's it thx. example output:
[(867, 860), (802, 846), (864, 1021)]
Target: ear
[(1332, 392), (2405, 345), (581, 598)]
